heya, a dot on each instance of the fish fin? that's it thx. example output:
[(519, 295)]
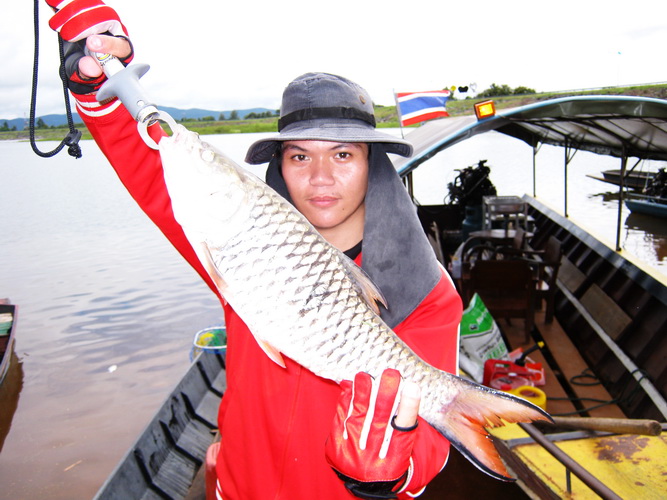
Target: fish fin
[(273, 353), (363, 282), (464, 420), (211, 269)]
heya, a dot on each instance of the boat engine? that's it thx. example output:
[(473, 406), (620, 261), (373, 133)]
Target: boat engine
[(469, 188), (657, 186)]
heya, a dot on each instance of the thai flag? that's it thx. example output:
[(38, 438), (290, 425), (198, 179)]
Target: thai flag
[(415, 107)]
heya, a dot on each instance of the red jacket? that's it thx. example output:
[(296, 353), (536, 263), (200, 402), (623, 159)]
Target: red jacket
[(274, 421)]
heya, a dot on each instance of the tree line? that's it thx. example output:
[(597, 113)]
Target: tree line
[(501, 90), (234, 115), (5, 128)]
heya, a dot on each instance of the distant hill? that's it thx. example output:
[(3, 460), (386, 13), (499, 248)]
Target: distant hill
[(196, 113), (176, 113), (50, 120)]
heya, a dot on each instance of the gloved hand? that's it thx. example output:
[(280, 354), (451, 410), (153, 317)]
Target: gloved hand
[(368, 451), (76, 21)]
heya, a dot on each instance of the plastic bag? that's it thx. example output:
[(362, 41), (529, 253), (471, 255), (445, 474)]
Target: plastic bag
[(480, 339)]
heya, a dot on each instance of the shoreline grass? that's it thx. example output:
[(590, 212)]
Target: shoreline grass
[(386, 116)]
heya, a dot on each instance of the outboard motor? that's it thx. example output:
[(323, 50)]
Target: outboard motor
[(468, 190), (657, 186)]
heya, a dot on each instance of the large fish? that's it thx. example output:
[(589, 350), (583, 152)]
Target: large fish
[(302, 297)]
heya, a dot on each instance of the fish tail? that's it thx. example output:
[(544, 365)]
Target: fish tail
[(464, 421)]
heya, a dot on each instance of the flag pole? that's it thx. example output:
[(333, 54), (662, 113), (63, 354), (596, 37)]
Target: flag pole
[(398, 111)]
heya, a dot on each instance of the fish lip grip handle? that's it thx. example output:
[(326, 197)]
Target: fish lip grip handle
[(123, 82)]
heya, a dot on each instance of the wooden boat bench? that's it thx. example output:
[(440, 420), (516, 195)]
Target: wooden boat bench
[(601, 309)]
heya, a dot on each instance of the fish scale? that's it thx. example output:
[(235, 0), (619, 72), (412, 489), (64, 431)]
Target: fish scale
[(320, 302), (302, 297)]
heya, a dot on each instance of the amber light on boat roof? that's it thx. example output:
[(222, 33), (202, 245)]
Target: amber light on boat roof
[(485, 109)]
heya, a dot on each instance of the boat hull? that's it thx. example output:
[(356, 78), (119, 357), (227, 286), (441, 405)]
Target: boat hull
[(613, 310), (7, 339), (647, 207), (633, 180)]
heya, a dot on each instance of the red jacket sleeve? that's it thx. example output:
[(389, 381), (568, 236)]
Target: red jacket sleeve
[(139, 168)]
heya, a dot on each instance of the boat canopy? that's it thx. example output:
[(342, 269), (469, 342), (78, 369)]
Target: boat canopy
[(619, 126)]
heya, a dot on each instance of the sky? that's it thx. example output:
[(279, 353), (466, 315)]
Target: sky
[(224, 55)]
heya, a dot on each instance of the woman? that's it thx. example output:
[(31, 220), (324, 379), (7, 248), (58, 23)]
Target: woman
[(286, 433)]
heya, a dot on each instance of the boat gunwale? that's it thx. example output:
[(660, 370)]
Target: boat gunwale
[(6, 358), (620, 259)]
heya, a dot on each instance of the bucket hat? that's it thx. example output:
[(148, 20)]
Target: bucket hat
[(325, 107)]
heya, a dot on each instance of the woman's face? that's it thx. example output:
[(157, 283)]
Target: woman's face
[(327, 182)]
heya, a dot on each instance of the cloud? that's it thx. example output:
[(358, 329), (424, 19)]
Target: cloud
[(223, 55)]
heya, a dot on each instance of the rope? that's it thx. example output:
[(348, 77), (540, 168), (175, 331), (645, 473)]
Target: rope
[(72, 138), (626, 396)]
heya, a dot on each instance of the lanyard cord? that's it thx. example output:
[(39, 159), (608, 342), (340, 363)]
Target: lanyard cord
[(72, 138)]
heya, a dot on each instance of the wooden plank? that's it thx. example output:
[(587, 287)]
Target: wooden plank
[(514, 334), (570, 276), (605, 311), (572, 364), (569, 362)]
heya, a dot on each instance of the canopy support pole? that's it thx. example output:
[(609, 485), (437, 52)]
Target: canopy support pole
[(536, 148), (398, 112), (569, 154), (621, 192)]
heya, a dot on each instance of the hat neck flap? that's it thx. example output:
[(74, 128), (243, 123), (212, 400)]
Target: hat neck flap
[(396, 254)]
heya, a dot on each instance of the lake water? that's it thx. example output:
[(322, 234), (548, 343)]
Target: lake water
[(108, 308)]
